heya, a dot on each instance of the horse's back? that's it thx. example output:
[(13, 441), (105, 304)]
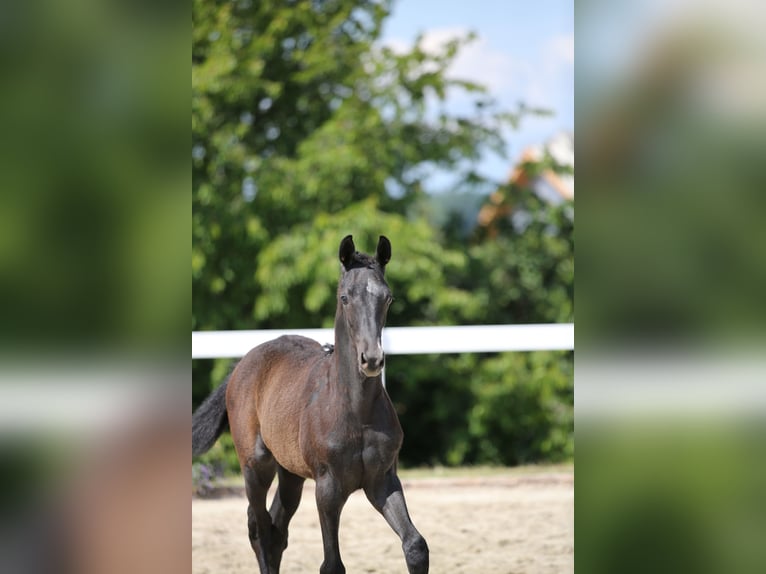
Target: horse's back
[(279, 362), (294, 348)]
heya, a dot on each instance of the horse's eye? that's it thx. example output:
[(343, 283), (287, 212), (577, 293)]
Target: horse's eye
[(343, 299)]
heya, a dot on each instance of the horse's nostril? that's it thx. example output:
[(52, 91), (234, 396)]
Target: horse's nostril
[(364, 359)]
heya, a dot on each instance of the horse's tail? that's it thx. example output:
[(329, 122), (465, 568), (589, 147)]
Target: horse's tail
[(209, 420)]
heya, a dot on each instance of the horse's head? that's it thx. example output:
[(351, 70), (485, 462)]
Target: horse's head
[(363, 300)]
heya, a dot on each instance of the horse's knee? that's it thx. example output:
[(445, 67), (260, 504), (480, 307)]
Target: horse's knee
[(416, 555)]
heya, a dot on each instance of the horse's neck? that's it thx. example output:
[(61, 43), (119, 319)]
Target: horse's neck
[(362, 391)]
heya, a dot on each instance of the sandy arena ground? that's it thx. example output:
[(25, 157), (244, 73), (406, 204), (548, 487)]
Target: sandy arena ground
[(501, 524)]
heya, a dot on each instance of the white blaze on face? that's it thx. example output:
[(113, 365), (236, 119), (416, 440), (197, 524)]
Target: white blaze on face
[(373, 289)]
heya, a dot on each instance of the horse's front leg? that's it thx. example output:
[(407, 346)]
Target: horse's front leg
[(330, 500), (385, 494)]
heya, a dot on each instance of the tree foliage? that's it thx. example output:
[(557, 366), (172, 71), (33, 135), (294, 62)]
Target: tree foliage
[(305, 129)]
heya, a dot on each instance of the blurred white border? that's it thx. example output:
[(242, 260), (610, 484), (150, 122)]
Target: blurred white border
[(678, 384)]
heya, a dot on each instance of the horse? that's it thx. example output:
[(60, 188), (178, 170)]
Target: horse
[(302, 411)]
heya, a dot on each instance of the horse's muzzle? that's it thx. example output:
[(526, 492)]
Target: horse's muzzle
[(371, 364)]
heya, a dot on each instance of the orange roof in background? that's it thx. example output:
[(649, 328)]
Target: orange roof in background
[(561, 148)]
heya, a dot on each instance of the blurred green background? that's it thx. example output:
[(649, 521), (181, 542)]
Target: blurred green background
[(671, 370), (305, 129), (93, 184), (94, 287)]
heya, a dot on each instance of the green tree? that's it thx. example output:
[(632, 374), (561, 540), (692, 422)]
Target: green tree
[(507, 408), (305, 129), (296, 111)]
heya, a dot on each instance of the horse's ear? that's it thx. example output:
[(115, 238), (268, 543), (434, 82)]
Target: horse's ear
[(383, 254), (346, 251)]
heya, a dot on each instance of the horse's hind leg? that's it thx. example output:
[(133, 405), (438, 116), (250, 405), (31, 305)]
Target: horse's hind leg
[(283, 507), (385, 494), (259, 471)]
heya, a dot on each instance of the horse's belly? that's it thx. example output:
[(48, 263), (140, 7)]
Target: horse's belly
[(297, 466), (280, 432), (283, 446), (281, 412)]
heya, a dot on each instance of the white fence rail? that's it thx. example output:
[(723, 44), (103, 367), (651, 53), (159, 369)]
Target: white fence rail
[(404, 340)]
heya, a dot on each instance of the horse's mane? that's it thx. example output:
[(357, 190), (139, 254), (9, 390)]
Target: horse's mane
[(362, 260)]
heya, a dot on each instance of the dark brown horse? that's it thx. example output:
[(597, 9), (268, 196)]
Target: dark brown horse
[(301, 410)]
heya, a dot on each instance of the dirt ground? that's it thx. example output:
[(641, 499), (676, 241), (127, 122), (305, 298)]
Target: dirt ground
[(509, 523)]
